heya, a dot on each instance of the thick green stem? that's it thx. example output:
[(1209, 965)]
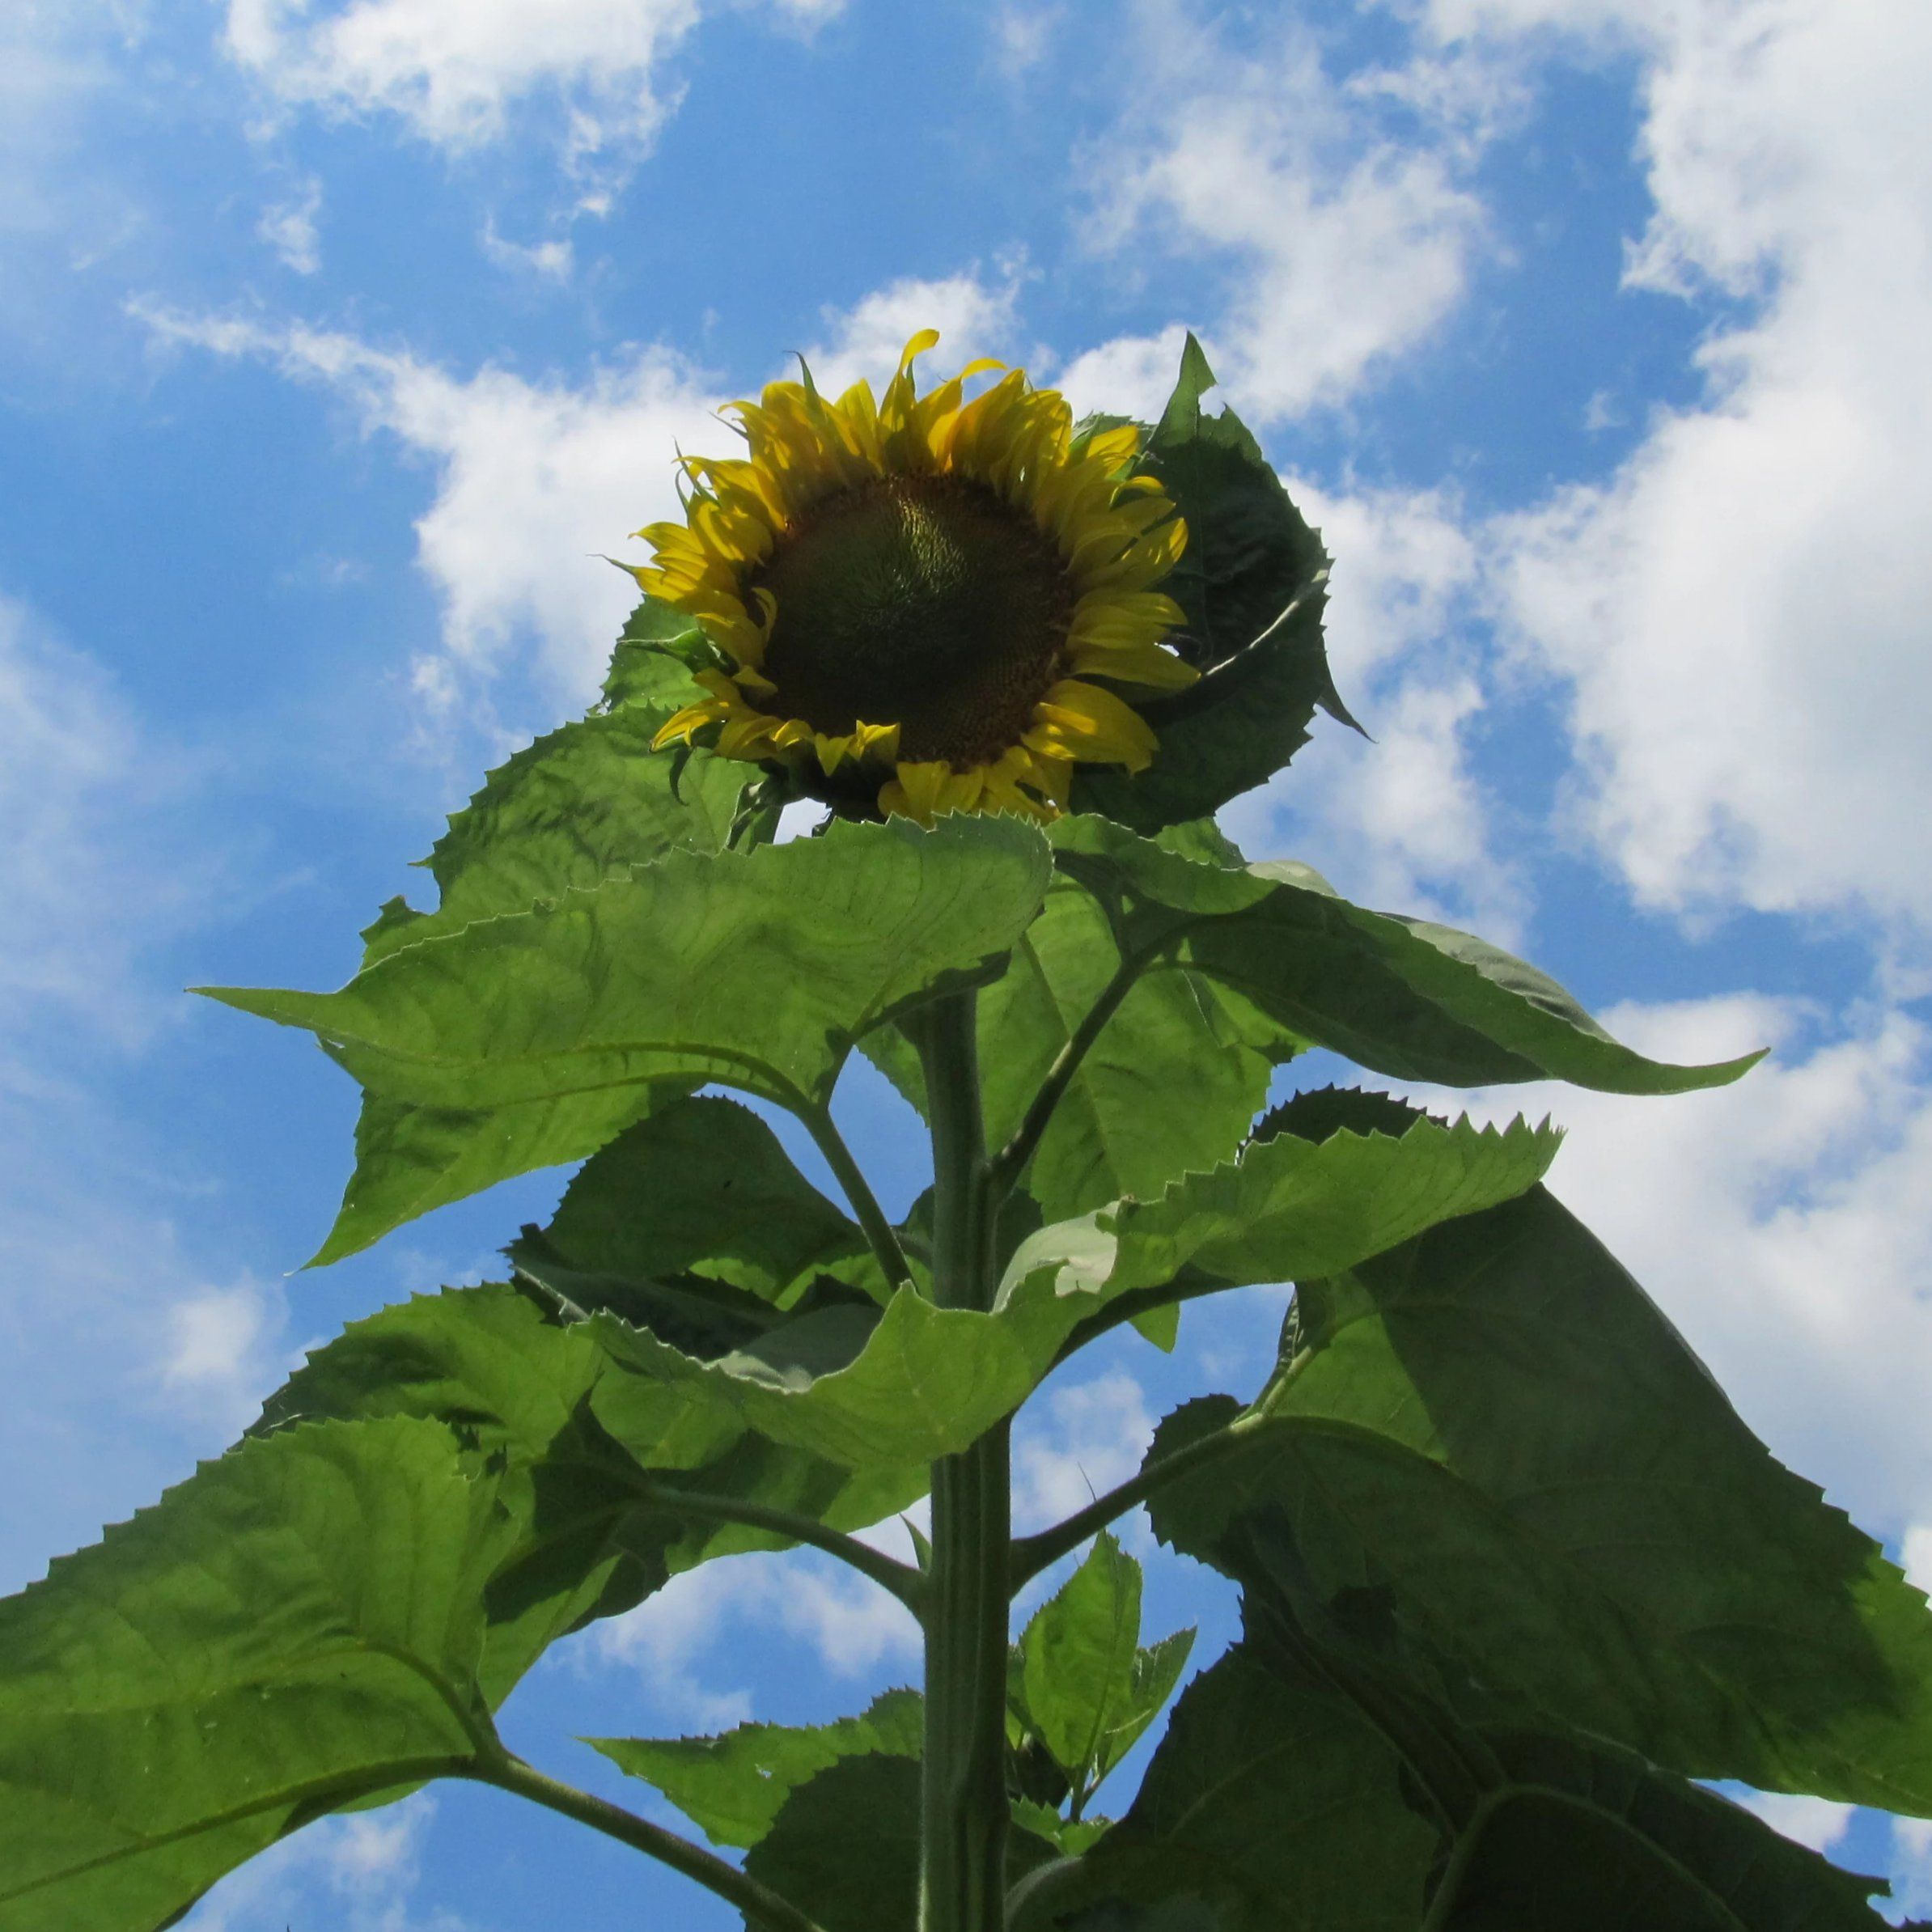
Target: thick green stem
[(963, 1808), (761, 1906)]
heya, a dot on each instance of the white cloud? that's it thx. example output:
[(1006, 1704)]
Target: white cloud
[(1814, 1822), (226, 1348), (974, 318), (532, 477), (288, 228), (94, 872), (1403, 822), (454, 71), (706, 1618), (368, 1865), (1738, 613), (1022, 37), (1345, 244), (552, 260), (1076, 1441)]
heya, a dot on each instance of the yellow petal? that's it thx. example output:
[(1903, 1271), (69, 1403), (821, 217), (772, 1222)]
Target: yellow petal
[(1083, 720)]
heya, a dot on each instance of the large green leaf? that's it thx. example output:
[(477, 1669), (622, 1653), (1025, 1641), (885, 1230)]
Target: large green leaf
[(700, 1193), (297, 1627), (581, 803), (1408, 998), (1252, 581), (532, 1034), (1493, 1431), (735, 1786), (1273, 1804), (1288, 1207), (577, 1447), (919, 1382), (1281, 1797)]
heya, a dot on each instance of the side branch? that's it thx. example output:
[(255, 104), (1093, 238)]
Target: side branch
[(761, 1906), (1030, 1555), (850, 1177), (901, 1579), (1010, 1163)]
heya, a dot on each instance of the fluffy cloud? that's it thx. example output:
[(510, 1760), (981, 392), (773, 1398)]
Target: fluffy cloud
[(1739, 611), (454, 71), (530, 476), (706, 1618), (1403, 821), (1345, 243)]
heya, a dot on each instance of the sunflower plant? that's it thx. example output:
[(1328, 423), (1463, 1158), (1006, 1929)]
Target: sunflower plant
[(1517, 1583)]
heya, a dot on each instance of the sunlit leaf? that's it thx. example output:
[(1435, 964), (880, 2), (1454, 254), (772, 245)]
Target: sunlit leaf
[(297, 1626), (757, 969), (733, 1785), (1404, 996)]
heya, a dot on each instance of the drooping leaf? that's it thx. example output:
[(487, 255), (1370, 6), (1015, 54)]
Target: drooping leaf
[(1406, 998), (701, 1190), (755, 968), (1252, 583), (733, 1785), (1289, 1208), (576, 1448), (297, 1627), (1492, 1431), (1287, 1794)]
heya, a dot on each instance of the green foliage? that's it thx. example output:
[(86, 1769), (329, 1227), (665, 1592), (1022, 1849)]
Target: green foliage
[(1253, 583), (297, 1627), (534, 1037), (1513, 1574), (1087, 1689), (736, 1785)]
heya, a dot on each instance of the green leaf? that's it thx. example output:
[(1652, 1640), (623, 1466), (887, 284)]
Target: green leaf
[(1290, 1792), (1118, 1129), (1273, 1802), (1406, 998), (656, 652), (844, 1848), (1156, 1670), (1288, 1208), (412, 1159), (1077, 1656), (582, 803), (755, 969), (735, 1786), (295, 1628), (1252, 581), (1492, 1432), (702, 1192), (1591, 1839), (576, 1445)]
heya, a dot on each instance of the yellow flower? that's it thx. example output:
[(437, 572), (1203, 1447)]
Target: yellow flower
[(915, 595)]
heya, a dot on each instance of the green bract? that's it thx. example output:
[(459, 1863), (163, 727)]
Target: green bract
[(1514, 1576)]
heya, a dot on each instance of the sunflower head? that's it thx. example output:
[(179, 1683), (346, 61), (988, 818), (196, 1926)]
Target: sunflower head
[(923, 604)]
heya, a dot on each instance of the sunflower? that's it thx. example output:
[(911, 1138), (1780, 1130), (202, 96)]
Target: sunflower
[(924, 603)]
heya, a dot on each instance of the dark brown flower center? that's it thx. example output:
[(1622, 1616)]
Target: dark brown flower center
[(923, 601)]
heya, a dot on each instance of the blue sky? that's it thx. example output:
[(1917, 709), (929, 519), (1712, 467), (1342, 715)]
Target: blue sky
[(336, 342)]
